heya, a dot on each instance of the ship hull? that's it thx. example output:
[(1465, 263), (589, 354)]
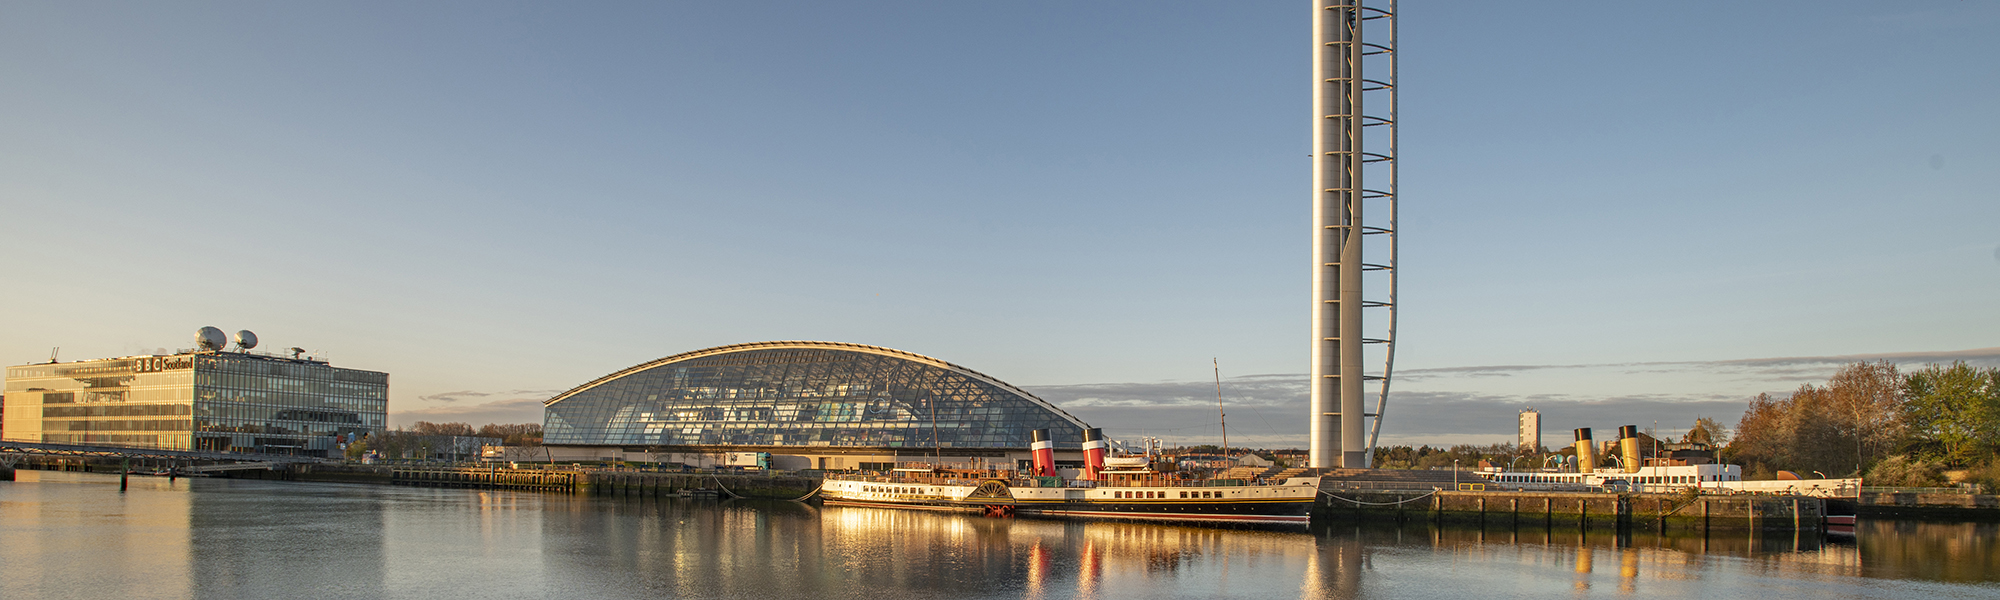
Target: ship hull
[(1285, 504)]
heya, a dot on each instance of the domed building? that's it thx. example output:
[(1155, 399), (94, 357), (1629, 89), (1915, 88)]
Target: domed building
[(808, 405)]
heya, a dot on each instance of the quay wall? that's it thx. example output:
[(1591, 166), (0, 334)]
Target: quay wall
[(1576, 510), (610, 483), (1963, 507)]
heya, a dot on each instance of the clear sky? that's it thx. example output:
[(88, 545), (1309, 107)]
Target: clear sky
[(1616, 211)]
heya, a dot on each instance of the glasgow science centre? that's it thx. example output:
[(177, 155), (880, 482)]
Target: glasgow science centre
[(810, 405)]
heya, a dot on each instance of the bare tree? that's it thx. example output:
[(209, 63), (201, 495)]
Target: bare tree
[(1842, 427)]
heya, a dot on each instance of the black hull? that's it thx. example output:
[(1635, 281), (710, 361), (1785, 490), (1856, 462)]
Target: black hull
[(1259, 512)]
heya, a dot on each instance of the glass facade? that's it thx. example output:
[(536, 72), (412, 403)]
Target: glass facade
[(219, 401), (803, 394)]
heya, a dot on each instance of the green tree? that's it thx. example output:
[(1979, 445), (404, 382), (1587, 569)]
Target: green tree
[(1953, 412), (358, 447)]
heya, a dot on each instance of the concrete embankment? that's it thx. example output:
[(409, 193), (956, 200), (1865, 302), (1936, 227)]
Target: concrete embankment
[(1930, 505), (659, 484), (1579, 510), (609, 483)]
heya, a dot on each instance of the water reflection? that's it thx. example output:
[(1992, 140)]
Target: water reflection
[(73, 535), (57, 540)]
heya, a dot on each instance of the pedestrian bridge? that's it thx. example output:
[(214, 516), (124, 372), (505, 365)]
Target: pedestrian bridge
[(13, 451)]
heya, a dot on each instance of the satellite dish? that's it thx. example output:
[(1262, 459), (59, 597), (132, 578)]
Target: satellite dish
[(210, 339), (246, 340)]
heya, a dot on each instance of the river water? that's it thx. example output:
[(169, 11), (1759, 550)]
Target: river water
[(75, 535)]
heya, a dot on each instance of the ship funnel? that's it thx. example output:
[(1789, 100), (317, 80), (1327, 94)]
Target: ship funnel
[(1586, 451), (1093, 453), (1628, 446), (1045, 454)]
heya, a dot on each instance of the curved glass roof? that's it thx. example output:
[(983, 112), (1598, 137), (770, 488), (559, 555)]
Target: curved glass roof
[(803, 394)]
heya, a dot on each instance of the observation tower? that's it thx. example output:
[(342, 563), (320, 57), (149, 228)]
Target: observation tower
[(1350, 37)]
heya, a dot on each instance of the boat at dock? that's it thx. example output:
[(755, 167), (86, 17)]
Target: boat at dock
[(1140, 487), (1657, 473)]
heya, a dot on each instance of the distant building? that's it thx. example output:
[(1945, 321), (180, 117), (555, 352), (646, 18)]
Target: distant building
[(1531, 431), (227, 401)]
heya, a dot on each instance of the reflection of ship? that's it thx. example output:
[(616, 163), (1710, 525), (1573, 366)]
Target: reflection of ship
[(1117, 487)]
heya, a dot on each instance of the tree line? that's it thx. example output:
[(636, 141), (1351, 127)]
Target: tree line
[(421, 439), (512, 434), (1871, 420)]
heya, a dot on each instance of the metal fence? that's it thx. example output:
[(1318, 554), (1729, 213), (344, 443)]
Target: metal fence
[(1968, 488)]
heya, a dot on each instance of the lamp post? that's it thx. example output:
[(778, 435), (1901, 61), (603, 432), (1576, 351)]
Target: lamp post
[(1454, 474)]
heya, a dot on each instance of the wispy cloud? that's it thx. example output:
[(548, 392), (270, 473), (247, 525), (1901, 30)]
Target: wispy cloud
[(1473, 404), (473, 395), (1978, 356), (510, 406), (519, 410), (1448, 405)]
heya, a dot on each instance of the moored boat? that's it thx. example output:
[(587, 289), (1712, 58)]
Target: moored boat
[(1131, 488)]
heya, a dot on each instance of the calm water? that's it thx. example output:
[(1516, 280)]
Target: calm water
[(73, 535)]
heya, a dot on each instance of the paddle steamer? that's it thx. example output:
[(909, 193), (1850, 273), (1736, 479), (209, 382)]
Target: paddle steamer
[(1139, 487)]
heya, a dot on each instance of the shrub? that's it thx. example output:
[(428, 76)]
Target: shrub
[(1986, 475), (1904, 471)]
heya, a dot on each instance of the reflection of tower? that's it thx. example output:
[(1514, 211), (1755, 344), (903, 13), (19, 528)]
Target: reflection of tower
[(1339, 160), (1333, 569), (1531, 431)]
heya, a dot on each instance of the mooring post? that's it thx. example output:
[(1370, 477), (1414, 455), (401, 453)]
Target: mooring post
[(125, 473)]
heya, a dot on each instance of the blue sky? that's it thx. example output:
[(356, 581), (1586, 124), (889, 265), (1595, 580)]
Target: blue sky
[(497, 201)]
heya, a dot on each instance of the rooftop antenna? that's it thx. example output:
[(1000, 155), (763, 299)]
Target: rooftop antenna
[(245, 340), (210, 339), (1218, 405)]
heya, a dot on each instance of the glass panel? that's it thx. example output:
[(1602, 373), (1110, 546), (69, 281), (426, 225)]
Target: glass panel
[(803, 397)]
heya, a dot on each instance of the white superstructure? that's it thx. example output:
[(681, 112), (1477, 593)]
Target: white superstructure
[(1668, 479)]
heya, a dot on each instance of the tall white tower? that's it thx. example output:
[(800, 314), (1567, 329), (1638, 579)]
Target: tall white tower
[(1340, 159)]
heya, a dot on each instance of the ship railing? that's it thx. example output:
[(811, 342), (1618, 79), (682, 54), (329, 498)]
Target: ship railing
[(1175, 483)]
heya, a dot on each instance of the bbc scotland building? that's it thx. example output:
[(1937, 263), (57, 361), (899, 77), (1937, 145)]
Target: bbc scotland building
[(810, 405), (201, 399)]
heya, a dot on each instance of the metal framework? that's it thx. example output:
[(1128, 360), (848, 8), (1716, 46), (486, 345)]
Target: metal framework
[(803, 393), (11, 451), (1341, 158)]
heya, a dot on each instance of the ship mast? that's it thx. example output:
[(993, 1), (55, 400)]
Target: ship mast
[(1218, 406)]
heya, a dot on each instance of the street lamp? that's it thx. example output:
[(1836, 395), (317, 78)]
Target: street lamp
[(1454, 474)]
